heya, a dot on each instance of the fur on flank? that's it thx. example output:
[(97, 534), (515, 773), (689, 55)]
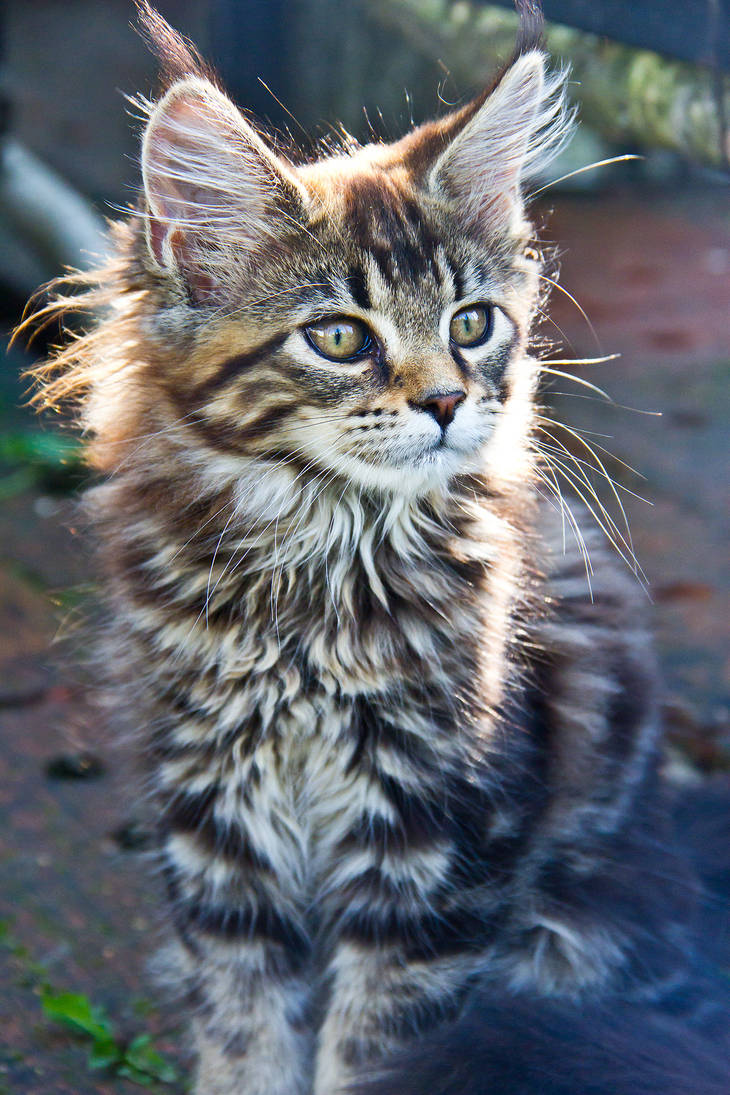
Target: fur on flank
[(396, 745)]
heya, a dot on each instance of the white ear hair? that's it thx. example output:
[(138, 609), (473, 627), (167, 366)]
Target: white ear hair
[(211, 185), (520, 127)]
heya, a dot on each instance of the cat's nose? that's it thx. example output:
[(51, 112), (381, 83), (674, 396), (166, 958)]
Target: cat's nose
[(442, 405)]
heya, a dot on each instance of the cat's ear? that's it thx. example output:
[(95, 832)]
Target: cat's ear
[(216, 195), (520, 122)]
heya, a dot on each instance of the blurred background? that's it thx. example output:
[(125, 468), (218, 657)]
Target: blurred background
[(645, 261)]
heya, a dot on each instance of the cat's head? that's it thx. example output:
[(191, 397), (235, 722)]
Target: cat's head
[(360, 318)]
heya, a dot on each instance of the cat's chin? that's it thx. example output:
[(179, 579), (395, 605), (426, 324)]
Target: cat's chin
[(416, 477), (269, 491)]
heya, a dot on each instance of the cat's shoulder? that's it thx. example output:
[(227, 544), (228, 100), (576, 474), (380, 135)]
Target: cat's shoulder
[(592, 662)]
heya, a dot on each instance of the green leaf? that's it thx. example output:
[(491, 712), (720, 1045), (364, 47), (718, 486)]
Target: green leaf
[(138, 1062), (141, 1055), (141, 1078), (77, 1012), (105, 1053)]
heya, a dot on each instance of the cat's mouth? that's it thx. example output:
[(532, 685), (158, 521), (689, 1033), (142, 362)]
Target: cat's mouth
[(445, 456), (458, 442)]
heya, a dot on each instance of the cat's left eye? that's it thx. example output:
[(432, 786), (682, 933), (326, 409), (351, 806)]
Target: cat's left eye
[(340, 339), (471, 326)]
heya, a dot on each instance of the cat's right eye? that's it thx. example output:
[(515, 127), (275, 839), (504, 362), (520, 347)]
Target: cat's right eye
[(340, 339)]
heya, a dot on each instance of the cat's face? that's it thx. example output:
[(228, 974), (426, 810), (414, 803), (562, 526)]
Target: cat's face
[(363, 318)]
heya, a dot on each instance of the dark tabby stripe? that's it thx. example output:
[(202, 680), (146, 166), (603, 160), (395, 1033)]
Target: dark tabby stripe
[(494, 370), (187, 812), (265, 422), (423, 936), (229, 436), (233, 368), (358, 286), (226, 922), (389, 226), (413, 832), (458, 280), (464, 366)]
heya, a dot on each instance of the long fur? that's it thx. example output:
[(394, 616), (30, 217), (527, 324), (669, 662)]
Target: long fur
[(399, 732)]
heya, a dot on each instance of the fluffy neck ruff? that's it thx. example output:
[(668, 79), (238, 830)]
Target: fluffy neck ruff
[(362, 592)]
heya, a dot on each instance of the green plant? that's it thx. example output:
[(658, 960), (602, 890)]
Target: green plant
[(136, 1060)]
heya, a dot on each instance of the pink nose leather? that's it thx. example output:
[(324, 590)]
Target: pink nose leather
[(442, 406)]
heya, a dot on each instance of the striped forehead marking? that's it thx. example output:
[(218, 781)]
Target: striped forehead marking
[(387, 222)]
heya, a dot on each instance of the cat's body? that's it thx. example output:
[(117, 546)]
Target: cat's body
[(398, 743)]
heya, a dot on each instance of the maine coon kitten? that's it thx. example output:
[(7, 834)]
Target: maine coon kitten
[(402, 753)]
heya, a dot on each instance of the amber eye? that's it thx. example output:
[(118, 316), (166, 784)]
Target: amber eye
[(340, 339), (471, 325)]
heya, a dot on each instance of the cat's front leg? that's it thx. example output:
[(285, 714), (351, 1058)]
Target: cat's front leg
[(381, 998), (245, 944), (251, 1030), (403, 930)]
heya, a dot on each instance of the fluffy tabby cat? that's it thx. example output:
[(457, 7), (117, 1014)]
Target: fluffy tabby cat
[(402, 755)]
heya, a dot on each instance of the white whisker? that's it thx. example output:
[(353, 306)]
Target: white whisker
[(577, 380), (562, 289), (581, 170)]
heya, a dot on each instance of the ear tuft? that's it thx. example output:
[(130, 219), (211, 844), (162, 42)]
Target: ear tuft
[(178, 56), (531, 30)]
